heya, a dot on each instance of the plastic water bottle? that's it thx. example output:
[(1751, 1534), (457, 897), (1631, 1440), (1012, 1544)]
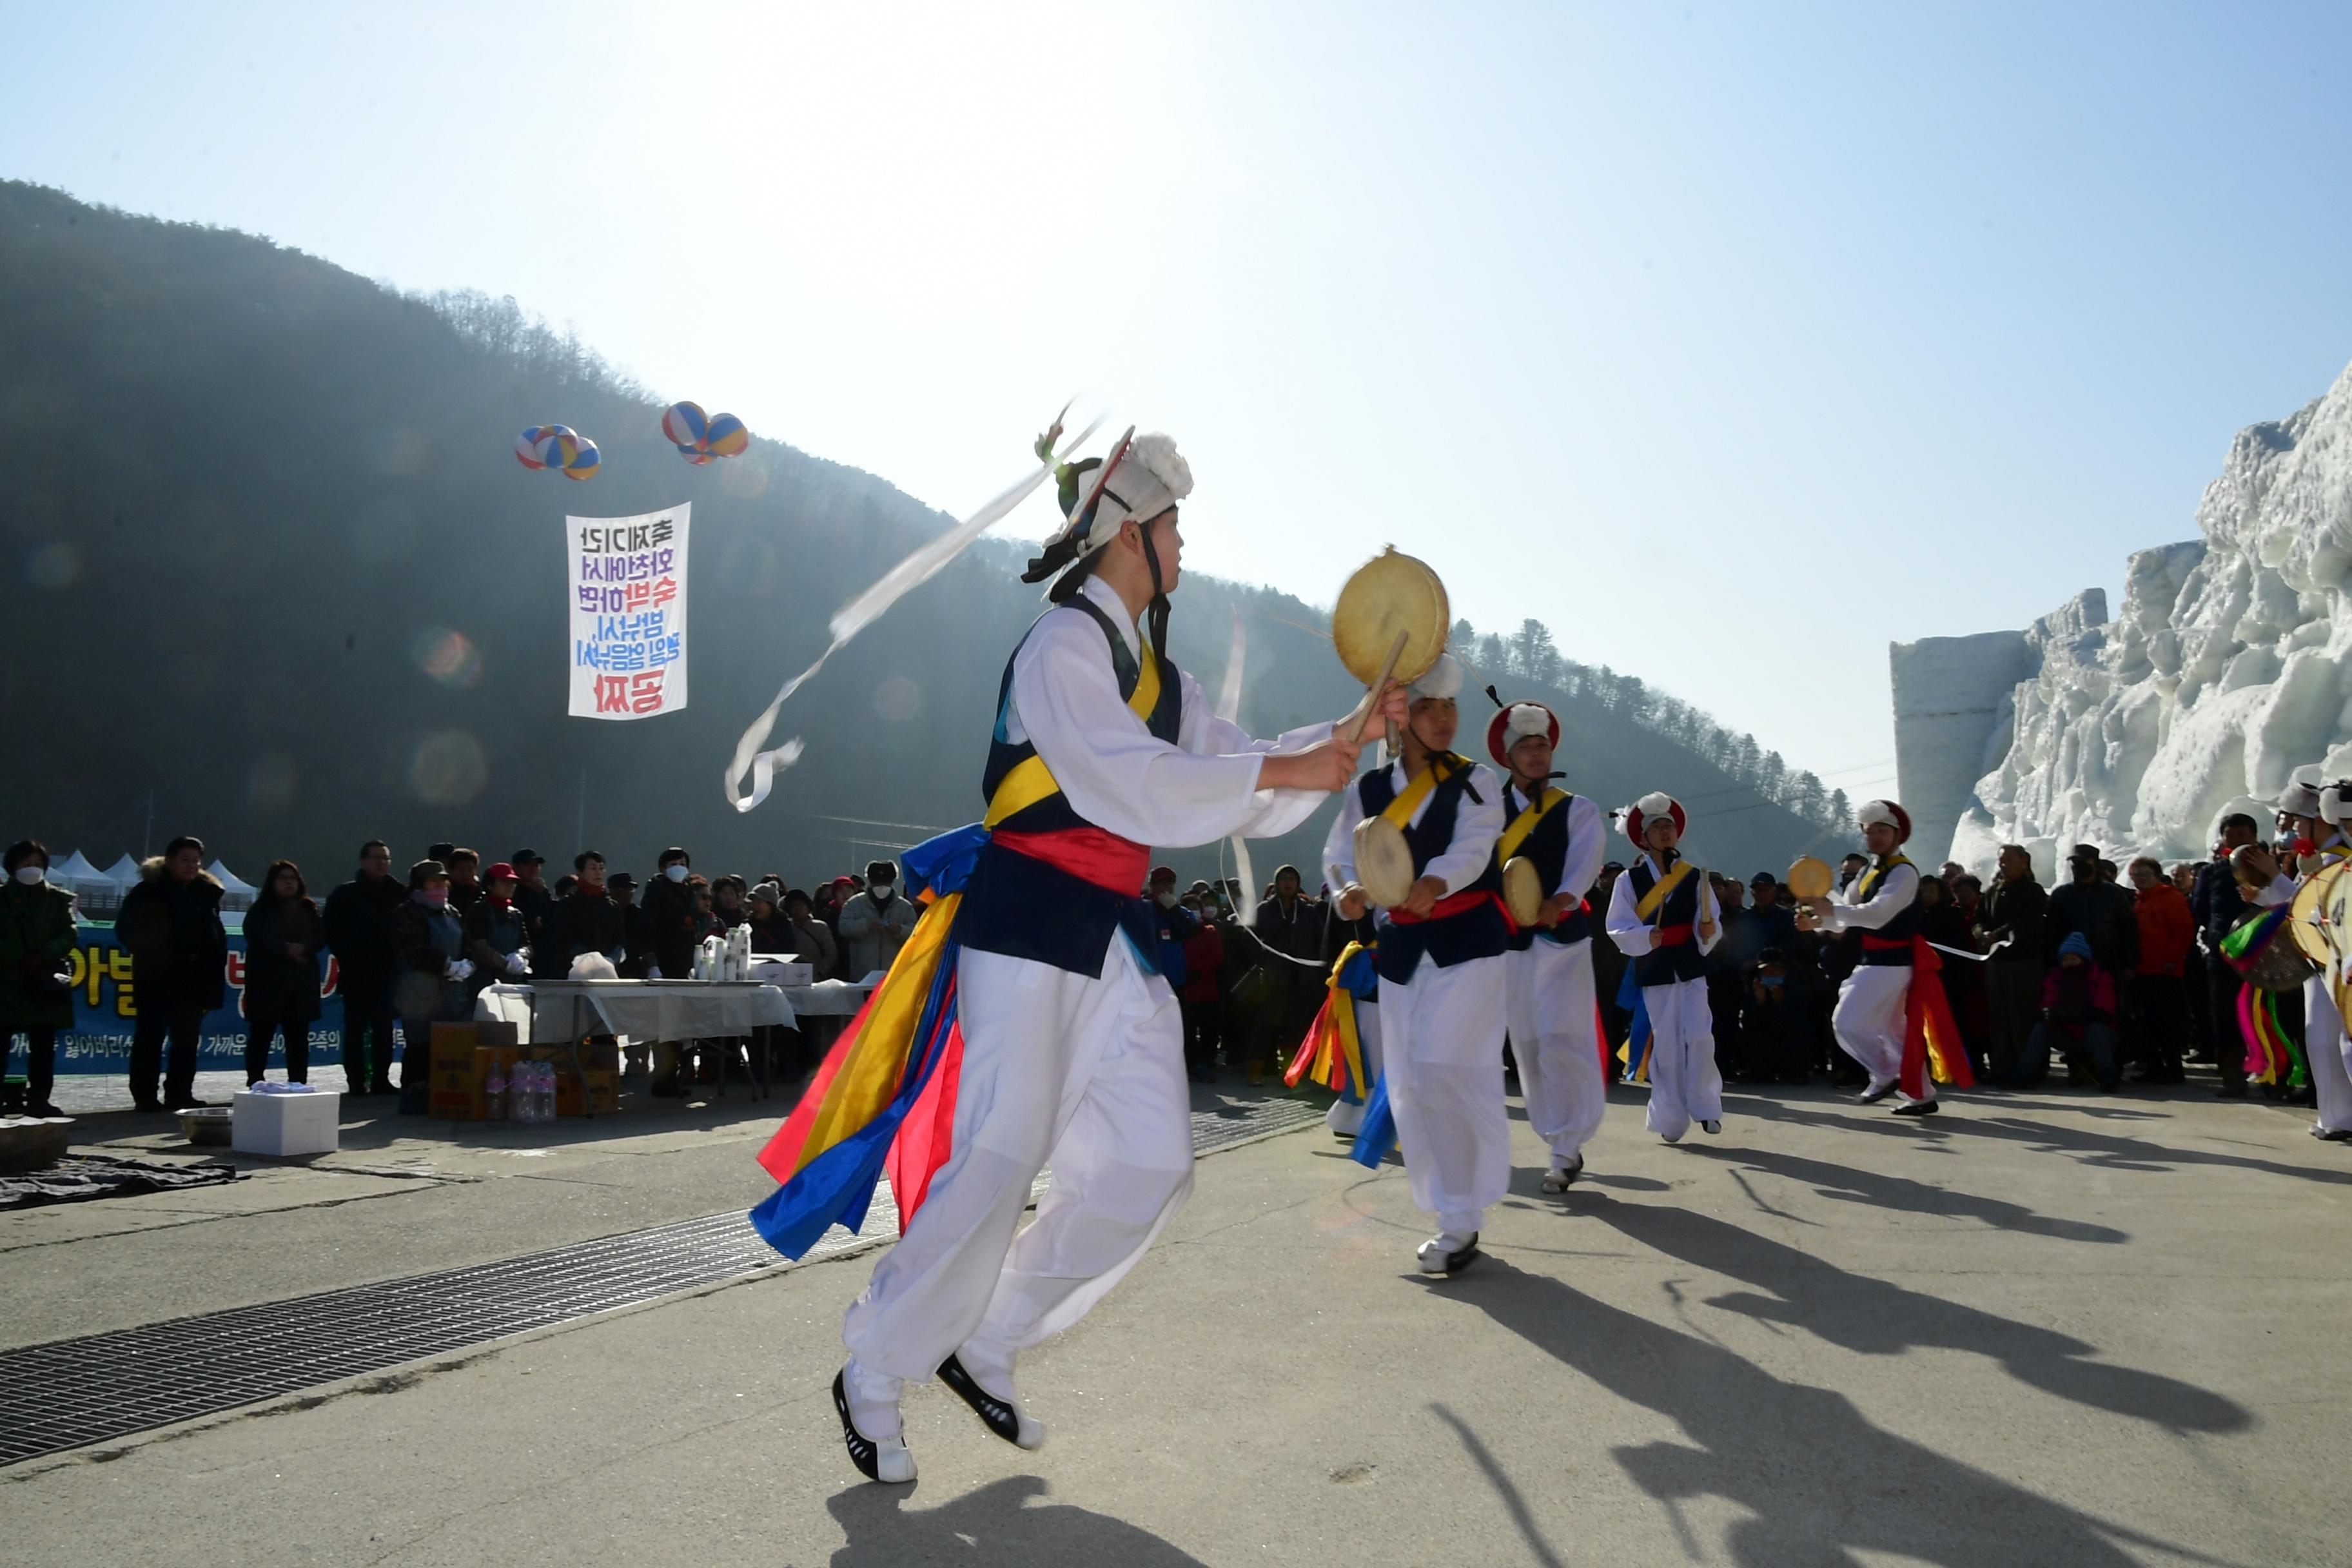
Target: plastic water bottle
[(494, 1095), (545, 1084), (527, 1097)]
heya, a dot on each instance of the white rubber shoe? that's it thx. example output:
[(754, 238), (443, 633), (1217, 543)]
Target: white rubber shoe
[(870, 1428), (973, 1374), (1448, 1252), (1562, 1177)]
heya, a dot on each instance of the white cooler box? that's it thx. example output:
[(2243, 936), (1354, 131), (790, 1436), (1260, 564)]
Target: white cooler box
[(285, 1124)]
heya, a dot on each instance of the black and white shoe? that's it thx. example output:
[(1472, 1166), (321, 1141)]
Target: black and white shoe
[(1917, 1108), (1448, 1252), (877, 1458), (1710, 1128), (1876, 1092), (2332, 1134), (1001, 1416), (1562, 1177)]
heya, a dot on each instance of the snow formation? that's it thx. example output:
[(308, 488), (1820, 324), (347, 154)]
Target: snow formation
[(2228, 672)]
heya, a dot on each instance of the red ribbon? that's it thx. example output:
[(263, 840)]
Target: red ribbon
[(1926, 1009), (1109, 862), (1453, 904)]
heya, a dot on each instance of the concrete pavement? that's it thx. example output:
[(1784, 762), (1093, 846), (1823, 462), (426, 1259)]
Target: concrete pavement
[(2039, 1329)]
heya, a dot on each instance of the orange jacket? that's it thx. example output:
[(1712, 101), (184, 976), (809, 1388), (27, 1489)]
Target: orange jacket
[(2165, 928)]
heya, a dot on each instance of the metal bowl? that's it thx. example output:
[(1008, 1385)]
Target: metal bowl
[(206, 1126)]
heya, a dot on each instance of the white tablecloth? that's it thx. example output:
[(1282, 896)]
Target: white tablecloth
[(635, 1009), (828, 998)]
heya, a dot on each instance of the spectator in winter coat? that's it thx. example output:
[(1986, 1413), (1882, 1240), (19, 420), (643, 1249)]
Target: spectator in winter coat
[(814, 942), (2215, 907), (2078, 1016), (2015, 909), (431, 944), (2157, 994), (37, 942), (727, 902), (1779, 1036), (670, 922), (1288, 926), (464, 879), (875, 923), (1199, 1001), (179, 956), (358, 928), (536, 901), (771, 929), (637, 935), (588, 921), (1941, 922), (496, 944), (283, 934), (2098, 908)]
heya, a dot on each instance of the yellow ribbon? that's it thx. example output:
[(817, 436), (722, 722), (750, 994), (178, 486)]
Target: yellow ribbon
[(868, 1079), (1516, 834), (1662, 890), (1032, 781)]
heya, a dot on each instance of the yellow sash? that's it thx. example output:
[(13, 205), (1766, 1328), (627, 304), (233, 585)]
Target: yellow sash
[(1409, 799), (1876, 874), (1516, 834), (1662, 890), (1032, 781)]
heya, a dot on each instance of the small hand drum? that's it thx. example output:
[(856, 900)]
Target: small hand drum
[(1809, 878), (1383, 862), (2308, 915), (1523, 893), (1388, 597), (2279, 964)]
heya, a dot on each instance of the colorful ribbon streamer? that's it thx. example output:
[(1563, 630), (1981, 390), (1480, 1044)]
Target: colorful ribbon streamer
[(1332, 1054), (1931, 1036)]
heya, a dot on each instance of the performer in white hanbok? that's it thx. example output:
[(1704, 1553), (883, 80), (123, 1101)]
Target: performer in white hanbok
[(1440, 958), (1663, 917), (1554, 1023), (1071, 1049), (2314, 818), (1891, 1013)]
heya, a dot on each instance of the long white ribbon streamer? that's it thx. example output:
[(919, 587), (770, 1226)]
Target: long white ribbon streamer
[(862, 612), (1229, 709)]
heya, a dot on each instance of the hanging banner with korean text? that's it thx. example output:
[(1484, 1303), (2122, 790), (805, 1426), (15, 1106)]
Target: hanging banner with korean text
[(628, 613)]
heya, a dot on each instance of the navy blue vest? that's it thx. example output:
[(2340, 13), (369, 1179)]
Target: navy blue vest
[(1024, 908), (1547, 847), (1664, 966), (1899, 928), (1479, 933)]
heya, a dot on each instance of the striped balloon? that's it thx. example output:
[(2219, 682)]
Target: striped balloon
[(684, 424), (527, 448), (580, 462), (725, 437)]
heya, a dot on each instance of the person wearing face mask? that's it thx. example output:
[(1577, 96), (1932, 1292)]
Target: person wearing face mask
[(875, 923), (430, 941), (670, 920), (179, 969), (1440, 962), (37, 942), (496, 940)]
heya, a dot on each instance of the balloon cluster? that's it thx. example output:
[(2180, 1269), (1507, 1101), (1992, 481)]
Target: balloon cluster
[(557, 446), (700, 436)]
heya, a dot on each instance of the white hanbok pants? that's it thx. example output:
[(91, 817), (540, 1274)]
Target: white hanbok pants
[(1442, 1040), (1685, 1086), (1347, 1118), (1547, 1000), (2323, 1049), (1085, 1073), (1869, 1021)]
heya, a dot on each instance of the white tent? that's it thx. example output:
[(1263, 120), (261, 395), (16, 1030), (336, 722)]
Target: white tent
[(236, 892), (124, 872), (74, 873)]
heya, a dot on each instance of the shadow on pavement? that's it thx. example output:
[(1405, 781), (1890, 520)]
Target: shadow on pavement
[(1872, 1316), (1877, 1190), (1965, 1117), (1819, 1482), (991, 1527)]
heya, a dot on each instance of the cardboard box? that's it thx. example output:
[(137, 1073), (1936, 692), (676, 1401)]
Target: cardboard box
[(604, 1093), (452, 1045), (283, 1124), (492, 1032)]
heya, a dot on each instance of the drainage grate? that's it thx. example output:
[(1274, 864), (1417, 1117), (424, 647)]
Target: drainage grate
[(70, 1392)]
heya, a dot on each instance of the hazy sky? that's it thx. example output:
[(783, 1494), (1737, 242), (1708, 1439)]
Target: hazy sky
[(1732, 341)]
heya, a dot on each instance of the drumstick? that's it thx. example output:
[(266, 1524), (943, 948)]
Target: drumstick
[(1387, 667)]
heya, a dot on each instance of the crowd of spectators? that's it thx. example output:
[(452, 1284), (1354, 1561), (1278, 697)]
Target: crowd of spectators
[(2115, 976)]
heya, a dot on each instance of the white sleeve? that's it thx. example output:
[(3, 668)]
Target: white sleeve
[(1585, 848), (2280, 889), (1202, 732), (1897, 892), (1339, 849), (1629, 931), (1116, 773), (1709, 912), (1476, 824)]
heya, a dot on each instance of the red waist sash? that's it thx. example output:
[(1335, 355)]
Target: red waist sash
[(1114, 864), (1449, 906), (1670, 936)]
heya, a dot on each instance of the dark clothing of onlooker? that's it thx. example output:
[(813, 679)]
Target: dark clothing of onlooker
[(1779, 1031), (775, 936), (1200, 1000), (2102, 912), (495, 934), (179, 959), (2078, 1016), (814, 944), (673, 929), (636, 940), (281, 986), (37, 941), (2215, 905), (1288, 993), (358, 929), (539, 918), (428, 938), (2016, 910), (464, 896), (1726, 991), (2158, 992), (590, 921)]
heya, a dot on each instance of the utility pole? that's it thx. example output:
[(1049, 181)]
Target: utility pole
[(147, 839), (580, 823)]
